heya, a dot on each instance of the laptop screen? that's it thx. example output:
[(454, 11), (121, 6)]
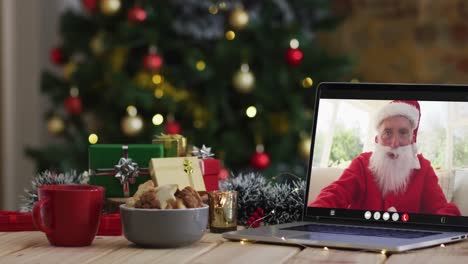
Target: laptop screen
[(391, 153)]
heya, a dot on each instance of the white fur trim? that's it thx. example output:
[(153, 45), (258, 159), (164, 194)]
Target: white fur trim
[(398, 109)]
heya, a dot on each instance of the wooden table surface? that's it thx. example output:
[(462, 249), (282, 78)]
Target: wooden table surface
[(33, 247)]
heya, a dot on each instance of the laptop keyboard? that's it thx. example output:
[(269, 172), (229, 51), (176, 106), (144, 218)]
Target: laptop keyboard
[(361, 231)]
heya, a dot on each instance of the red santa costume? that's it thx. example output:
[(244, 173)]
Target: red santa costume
[(359, 188)]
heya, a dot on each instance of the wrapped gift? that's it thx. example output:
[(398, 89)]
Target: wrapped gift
[(16, 221), (209, 166), (184, 171), (110, 225), (121, 168), (174, 145), (210, 169)]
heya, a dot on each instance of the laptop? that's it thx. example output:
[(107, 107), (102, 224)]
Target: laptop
[(349, 109)]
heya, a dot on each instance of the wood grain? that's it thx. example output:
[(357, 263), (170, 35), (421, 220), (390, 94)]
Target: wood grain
[(33, 247), (133, 254), (237, 252), (320, 255), (16, 241), (38, 250)]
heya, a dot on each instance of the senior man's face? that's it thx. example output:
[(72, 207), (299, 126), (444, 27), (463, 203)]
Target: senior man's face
[(394, 156), (395, 132)]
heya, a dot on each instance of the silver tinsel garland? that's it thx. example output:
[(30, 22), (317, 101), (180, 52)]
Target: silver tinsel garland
[(281, 202), (30, 197)]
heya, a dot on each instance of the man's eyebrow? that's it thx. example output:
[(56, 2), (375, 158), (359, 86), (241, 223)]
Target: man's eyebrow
[(403, 130)]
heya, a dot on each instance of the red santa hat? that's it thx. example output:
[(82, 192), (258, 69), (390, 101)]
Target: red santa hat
[(408, 109)]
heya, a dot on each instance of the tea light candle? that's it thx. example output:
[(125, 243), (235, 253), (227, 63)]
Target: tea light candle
[(223, 211)]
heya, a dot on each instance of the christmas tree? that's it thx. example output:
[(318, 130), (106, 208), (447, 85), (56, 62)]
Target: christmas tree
[(237, 76)]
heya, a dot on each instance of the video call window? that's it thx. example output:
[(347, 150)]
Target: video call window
[(441, 135), (345, 129)]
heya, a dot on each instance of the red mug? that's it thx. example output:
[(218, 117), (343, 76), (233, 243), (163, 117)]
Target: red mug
[(69, 214)]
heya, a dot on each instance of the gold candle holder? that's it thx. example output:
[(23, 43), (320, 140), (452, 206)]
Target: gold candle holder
[(223, 211)]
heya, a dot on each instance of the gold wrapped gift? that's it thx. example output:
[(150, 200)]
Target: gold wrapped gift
[(174, 145), (184, 171)]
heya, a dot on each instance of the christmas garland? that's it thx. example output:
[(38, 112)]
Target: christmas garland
[(30, 197), (265, 202), (259, 201)]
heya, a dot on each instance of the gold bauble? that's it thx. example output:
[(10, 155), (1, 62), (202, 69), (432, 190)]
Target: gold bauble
[(307, 82), (304, 147), (239, 18), (131, 125), (243, 80), (69, 69), (55, 125), (230, 35), (110, 7)]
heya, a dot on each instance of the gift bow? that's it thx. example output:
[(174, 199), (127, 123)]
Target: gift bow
[(126, 170), (202, 153), (189, 170)]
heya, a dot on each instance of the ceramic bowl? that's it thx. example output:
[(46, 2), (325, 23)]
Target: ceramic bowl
[(163, 228)]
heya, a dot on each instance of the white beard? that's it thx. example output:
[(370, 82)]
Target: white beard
[(392, 175)]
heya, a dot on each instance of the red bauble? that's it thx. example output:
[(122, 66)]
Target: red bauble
[(260, 160), (73, 105), (90, 5), (294, 56), (136, 14), (152, 62), (172, 128), (56, 56)]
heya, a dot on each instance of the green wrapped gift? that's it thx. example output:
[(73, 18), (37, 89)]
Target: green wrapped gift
[(121, 168), (175, 145)]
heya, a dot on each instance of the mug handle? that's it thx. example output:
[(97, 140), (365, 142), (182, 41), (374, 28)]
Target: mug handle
[(37, 216)]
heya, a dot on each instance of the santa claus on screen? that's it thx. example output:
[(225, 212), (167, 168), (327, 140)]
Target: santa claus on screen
[(394, 177)]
